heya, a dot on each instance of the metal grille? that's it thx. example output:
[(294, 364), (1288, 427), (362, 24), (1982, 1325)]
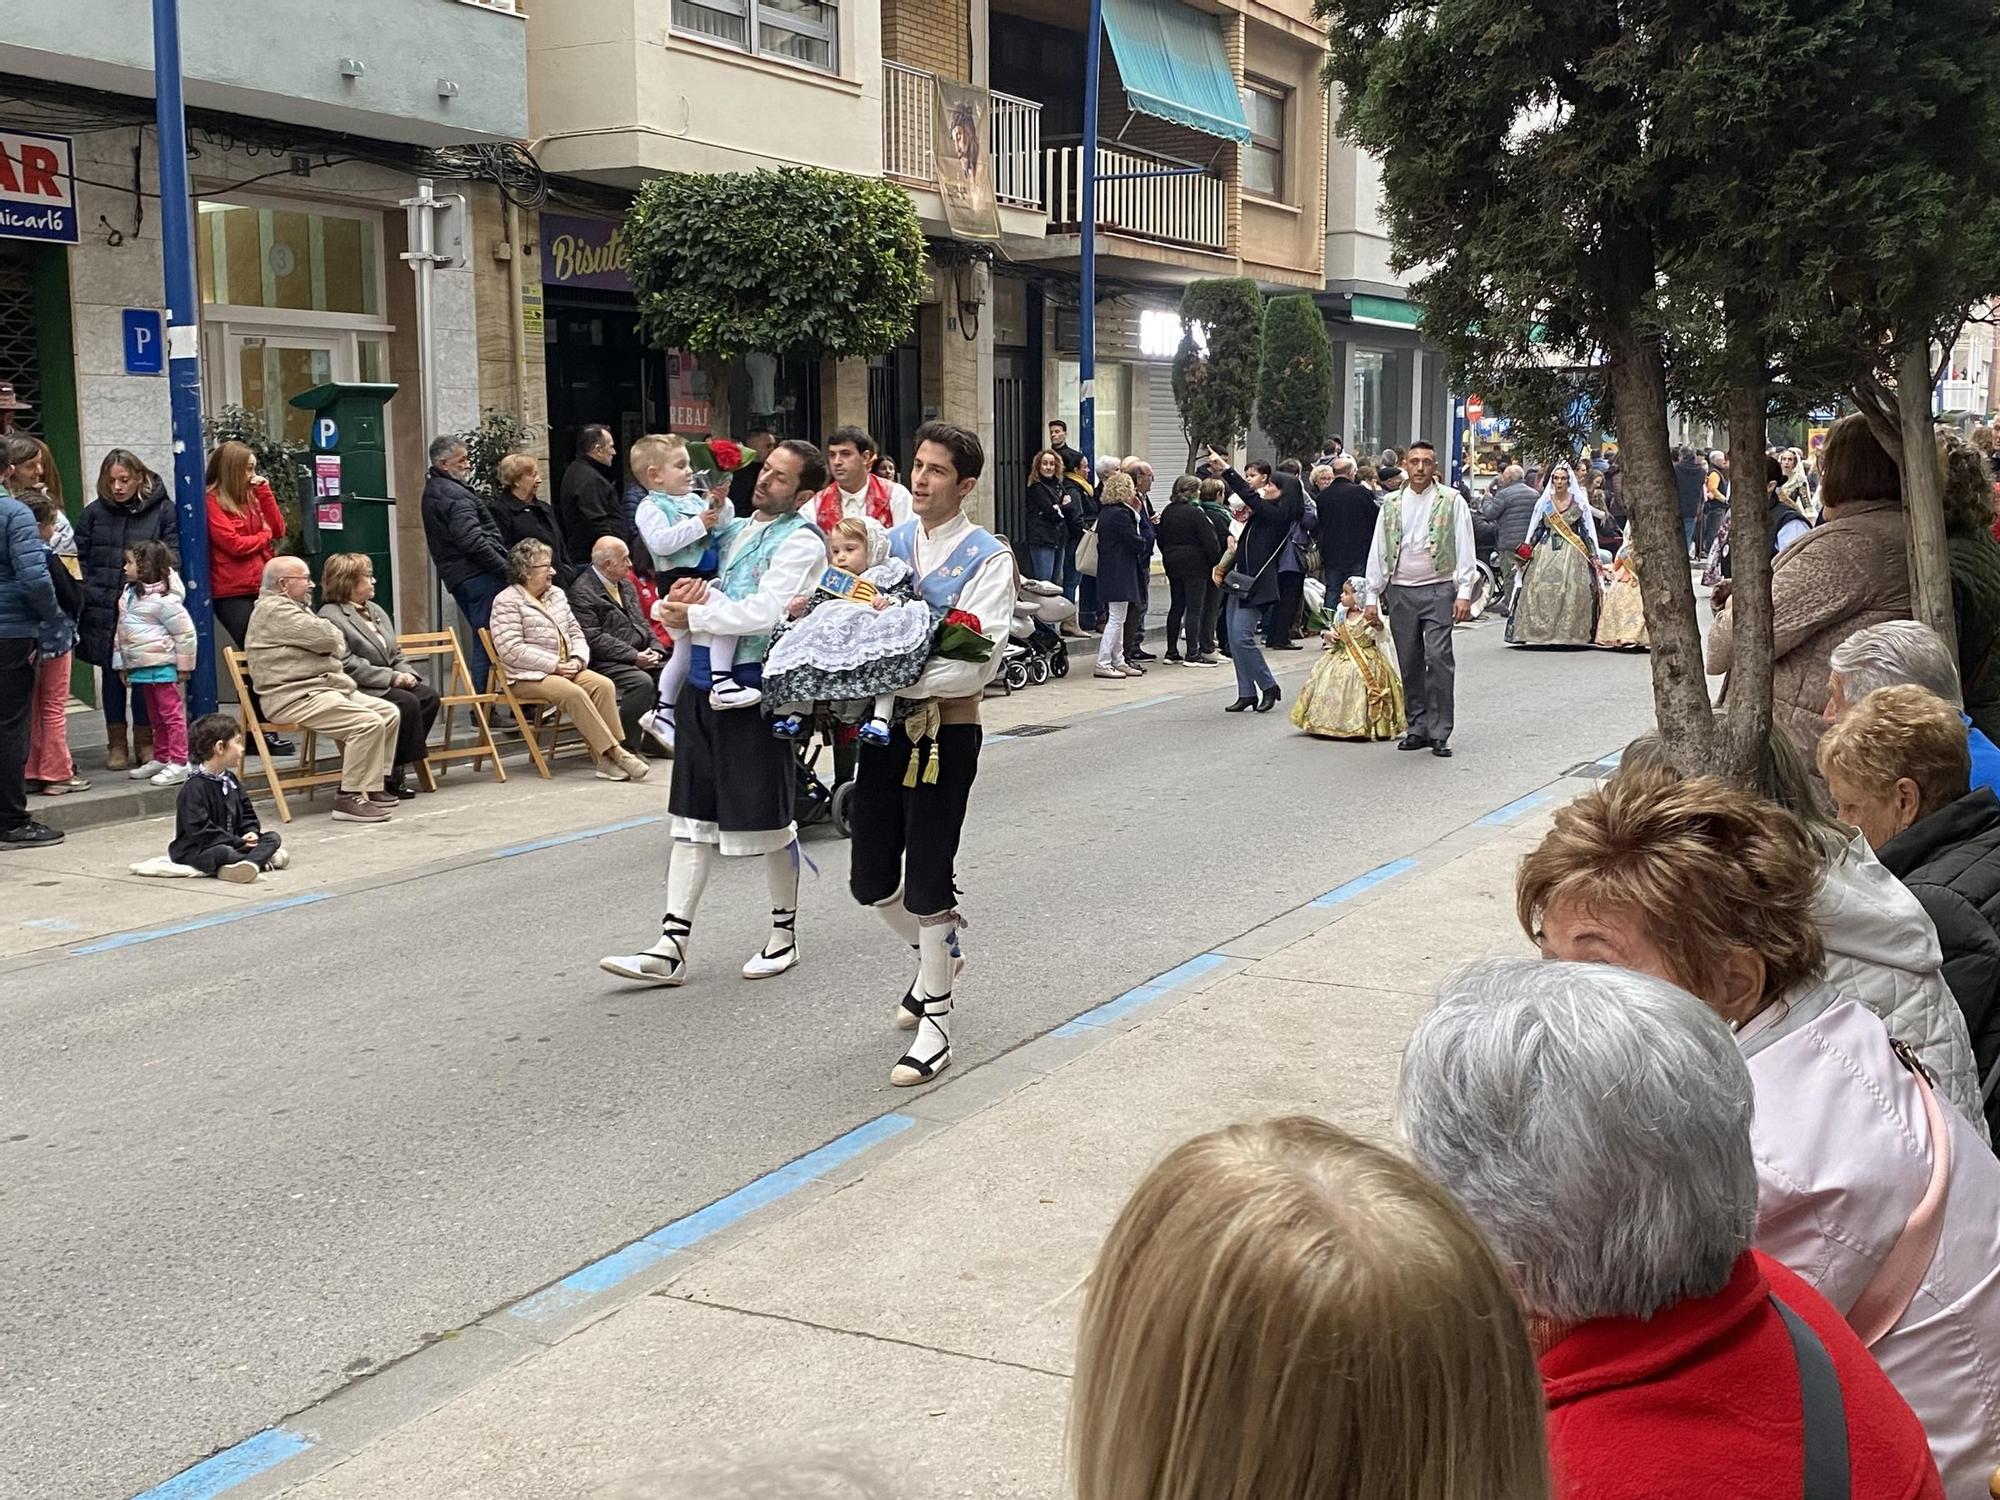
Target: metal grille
[(1029, 731), (20, 357), (1012, 441)]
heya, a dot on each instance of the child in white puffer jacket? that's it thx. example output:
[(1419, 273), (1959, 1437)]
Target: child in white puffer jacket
[(155, 649)]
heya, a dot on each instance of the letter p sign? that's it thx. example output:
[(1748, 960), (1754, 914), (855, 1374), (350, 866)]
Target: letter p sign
[(145, 345)]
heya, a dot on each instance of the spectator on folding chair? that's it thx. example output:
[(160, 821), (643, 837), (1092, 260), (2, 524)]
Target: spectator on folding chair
[(622, 644), (296, 661), (376, 662), (547, 659)]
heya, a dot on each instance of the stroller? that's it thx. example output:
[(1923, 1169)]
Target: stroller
[(816, 801), (1035, 647)]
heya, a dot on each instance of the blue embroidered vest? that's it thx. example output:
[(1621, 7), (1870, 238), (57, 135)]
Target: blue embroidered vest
[(943, 584), (742, 575)]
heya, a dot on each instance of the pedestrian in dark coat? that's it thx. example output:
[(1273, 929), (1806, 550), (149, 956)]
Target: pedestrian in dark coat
[(132, 506), (590, 501), (1189, 551), (523, 515), (1055, 501), (465, 544), (1122, 555), (1273, 504), (1347, 511)]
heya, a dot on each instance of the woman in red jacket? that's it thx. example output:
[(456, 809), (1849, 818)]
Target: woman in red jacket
[(244, 529), (1595, 1123)]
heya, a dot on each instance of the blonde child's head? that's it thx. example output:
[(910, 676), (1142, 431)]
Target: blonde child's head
[(848, 545), (1285, 1312), (660, 462)]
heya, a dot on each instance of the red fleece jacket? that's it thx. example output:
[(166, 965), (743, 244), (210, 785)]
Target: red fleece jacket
[(239, 546), (1703, 1399)]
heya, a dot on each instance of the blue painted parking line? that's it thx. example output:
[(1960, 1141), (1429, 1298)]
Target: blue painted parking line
[(606, 1273), (198, 924), (1123, 1005), (1360, 885), (556, 841), (1519, 807), (231, 1467)]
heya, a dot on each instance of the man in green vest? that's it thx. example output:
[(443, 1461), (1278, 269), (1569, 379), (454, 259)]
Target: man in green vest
[(1421, 566)]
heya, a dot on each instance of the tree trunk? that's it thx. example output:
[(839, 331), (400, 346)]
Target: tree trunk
[(1923, 497), (1680, 685), (1748, 720)]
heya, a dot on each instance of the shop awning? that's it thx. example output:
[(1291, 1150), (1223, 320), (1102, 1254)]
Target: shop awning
[(1171, 59)]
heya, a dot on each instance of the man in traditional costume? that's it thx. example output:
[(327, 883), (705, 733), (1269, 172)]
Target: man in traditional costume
[(1421, 565), (856, 489)]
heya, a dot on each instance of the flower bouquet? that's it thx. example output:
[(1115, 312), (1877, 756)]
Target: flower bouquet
[(959, 638)]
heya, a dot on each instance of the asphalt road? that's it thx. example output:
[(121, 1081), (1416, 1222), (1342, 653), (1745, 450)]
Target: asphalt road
[(240, 1166)]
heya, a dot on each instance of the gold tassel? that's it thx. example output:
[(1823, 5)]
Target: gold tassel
[(910, 776), (930, 766)]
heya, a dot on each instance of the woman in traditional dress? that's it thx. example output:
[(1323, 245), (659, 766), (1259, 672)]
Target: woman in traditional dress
[(1354, 692), (1557, 601), (1622, 623)]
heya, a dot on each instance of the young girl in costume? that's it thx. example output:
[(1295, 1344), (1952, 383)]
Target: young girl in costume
[(1353, 692), (863, 634)]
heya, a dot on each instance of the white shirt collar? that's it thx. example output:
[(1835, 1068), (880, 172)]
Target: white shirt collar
[(948, 535)]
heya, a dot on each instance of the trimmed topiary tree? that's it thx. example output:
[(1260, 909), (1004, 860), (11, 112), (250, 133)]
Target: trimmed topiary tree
[(1295, 390), (1215, 386), (794, 261)]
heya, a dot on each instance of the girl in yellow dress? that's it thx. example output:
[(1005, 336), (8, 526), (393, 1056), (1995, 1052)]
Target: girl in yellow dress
[(1353, 692), (1621, 622)]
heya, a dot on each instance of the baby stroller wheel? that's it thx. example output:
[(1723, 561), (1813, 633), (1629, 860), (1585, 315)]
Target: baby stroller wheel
[(1059, 664), (1038, 670), (1017, 675), (842, 796)]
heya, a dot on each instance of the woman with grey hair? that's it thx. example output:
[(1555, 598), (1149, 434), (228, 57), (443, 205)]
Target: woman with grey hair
[(1905, 653), (1595, 1123)]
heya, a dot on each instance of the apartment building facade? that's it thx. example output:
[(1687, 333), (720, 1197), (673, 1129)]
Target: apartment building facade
[(622, 89), (307, 125)]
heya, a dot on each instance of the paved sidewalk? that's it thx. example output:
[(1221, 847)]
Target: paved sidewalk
[(906, 1294)]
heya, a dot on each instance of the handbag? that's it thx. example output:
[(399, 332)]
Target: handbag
[(1086, 551), (1240, 583)]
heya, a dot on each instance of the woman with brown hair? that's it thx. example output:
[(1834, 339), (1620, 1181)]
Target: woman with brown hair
[(1871, 1188), (1285, 1312), (245, 527), (131, 507), (375, 660), (1850, 571)]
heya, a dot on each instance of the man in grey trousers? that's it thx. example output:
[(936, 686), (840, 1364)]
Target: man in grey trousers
[(1421, 565)]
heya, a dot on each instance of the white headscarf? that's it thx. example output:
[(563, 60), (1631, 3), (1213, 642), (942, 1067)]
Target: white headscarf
[(1579, 497)]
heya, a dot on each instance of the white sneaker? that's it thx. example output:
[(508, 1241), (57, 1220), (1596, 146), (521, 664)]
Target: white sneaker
[(170, 776), (667, 970), (241, 872), (729, 693), (1104, 671), (610, 770), (147, 771), (280, 860), (660, 730)]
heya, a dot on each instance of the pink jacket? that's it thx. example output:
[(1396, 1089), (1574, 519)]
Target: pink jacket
[(1843, 1154)]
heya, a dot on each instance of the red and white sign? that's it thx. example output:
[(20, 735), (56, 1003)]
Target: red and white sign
[(37, 187), (1475, 408)]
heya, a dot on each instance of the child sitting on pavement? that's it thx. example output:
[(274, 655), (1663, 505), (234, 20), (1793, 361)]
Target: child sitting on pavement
[(215, 828)]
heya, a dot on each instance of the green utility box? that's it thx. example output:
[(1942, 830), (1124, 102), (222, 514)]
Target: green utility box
[(345, 505)]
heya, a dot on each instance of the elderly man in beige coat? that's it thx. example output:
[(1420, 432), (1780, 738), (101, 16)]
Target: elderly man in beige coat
[(295, 660)]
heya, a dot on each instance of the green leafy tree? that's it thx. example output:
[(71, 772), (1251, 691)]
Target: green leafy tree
[(1215, 370), (792, 261), (497, 435), (1295, 390)]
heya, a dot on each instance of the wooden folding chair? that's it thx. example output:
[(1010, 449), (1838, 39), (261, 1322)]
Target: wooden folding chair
[(458, 693), (530, 729), (308, 777)]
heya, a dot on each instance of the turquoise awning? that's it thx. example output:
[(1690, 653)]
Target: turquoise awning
[(1171, 59)]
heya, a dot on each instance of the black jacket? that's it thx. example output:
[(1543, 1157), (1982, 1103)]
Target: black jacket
[(461, 532), (588, 506), (1189, 547), (1122, 556), (210, 812), (1690, 481), (1048, 521), (1347, 512), (103, 532), (1951, 863), (615, 628), (1265, 533), (533, 520)]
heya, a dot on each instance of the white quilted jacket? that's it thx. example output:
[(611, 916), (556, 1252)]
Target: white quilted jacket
[(1882, 950)]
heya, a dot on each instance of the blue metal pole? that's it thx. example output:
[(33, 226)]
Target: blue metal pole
[(183, 344), (1093, 49)]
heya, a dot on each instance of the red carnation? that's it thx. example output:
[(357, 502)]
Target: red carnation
[(728, 456), (963, 617)]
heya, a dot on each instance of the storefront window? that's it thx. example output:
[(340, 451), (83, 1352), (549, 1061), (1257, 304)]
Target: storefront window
[(288, 259), (1114, 402), (1367, 402)]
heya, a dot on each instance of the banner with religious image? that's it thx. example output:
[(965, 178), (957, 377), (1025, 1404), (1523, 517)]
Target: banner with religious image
[(959, 137)]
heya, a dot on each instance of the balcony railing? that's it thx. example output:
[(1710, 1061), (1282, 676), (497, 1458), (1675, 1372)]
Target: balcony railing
[(1184, 210), (1013, 137)]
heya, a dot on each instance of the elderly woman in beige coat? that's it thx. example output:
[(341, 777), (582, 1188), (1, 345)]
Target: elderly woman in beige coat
[(1847, 573), (537, 640)]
